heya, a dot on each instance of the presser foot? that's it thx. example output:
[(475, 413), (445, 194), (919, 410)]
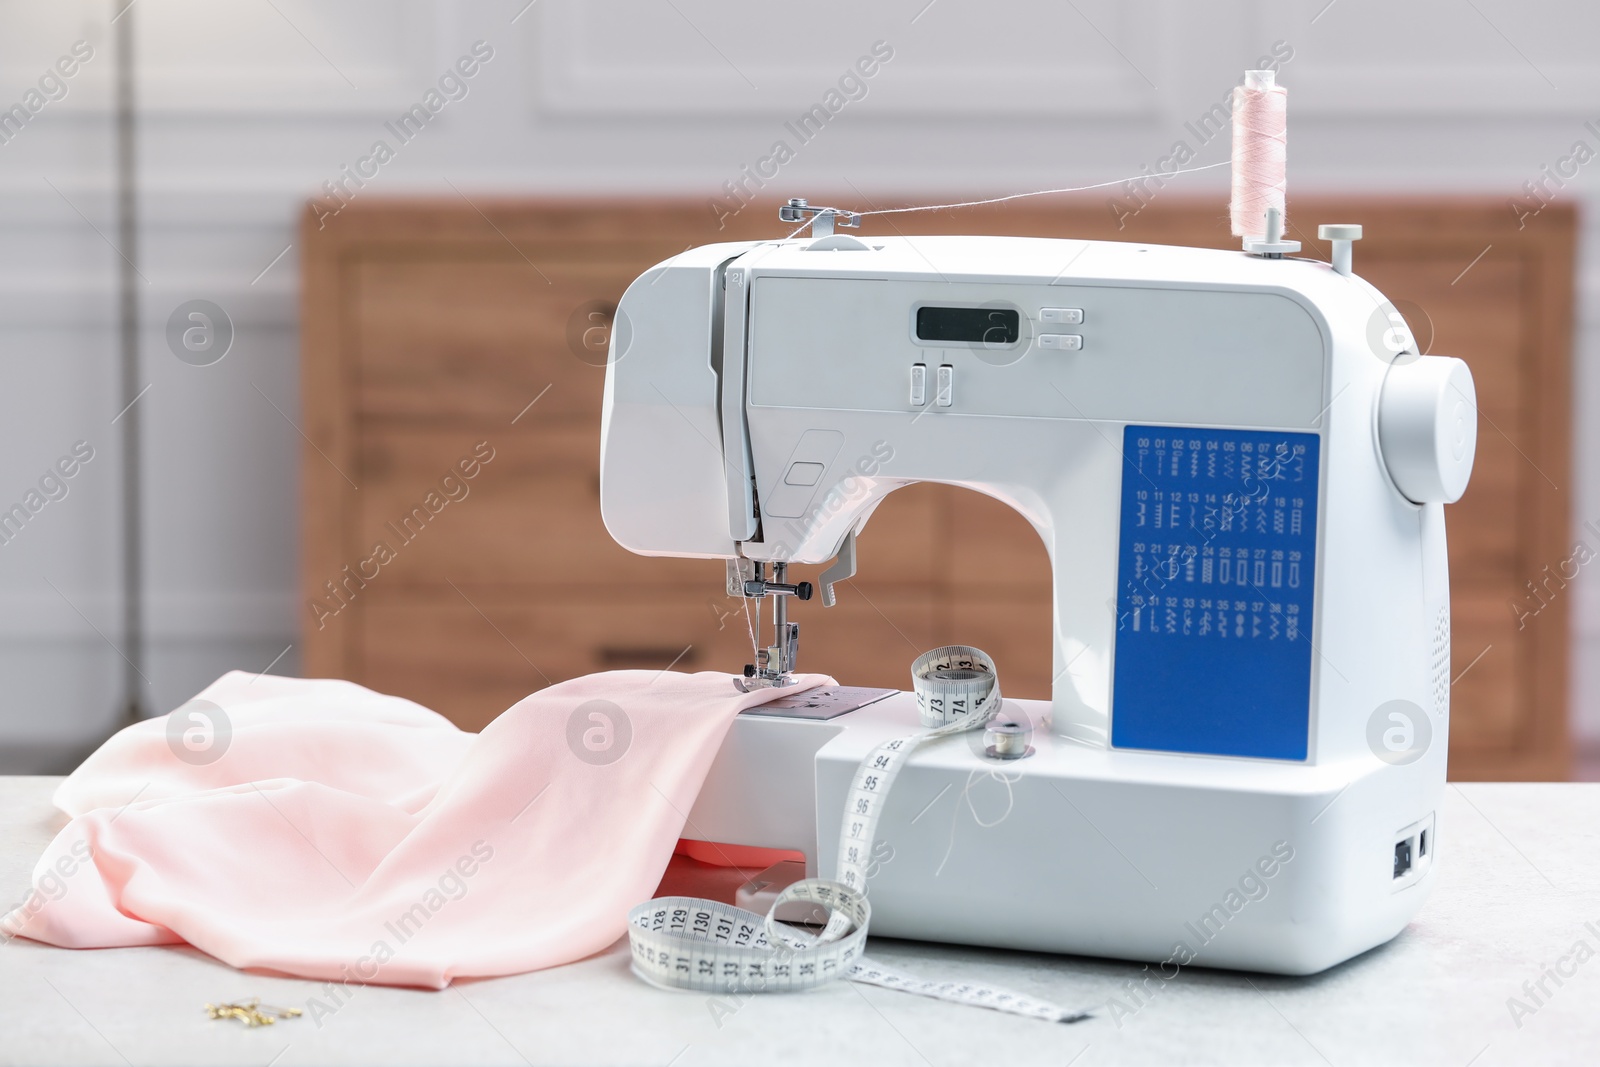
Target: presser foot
[(762, 674), (774, 664), (751, 684)]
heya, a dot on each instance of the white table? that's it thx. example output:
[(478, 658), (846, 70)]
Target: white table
[(1519, 879)]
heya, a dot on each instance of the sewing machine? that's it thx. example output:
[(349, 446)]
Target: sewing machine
[(1237, 463)]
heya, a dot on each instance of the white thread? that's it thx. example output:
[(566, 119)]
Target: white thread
[(755, 642), (1019, 196), (966, 796), (1260, 156), (1007, 780)]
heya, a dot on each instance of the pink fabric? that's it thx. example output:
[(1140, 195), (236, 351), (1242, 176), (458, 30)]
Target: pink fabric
[(349, 835)]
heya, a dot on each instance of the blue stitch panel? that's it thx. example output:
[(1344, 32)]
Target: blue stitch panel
[(1215, 571)]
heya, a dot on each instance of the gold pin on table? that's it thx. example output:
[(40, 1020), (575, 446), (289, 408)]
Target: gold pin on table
[(251, 1012)]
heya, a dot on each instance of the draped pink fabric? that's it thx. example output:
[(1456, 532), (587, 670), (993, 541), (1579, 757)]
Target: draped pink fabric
[(349, 835)]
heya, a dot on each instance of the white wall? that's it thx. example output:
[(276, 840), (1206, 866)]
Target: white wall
[(247, 107)]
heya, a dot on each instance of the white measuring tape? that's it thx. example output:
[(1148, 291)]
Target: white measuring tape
[(704, 945)]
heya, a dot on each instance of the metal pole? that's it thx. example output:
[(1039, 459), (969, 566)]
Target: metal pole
[(128, 318)]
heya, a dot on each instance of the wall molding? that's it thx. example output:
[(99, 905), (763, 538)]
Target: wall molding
[(571, 82)]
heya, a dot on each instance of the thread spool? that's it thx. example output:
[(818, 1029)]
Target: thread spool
[(1007, 739), (1260, 157)]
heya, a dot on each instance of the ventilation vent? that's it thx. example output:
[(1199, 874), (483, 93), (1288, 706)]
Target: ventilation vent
[(1441, 662)]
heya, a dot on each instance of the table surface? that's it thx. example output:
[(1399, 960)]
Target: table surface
[(1518, 884)]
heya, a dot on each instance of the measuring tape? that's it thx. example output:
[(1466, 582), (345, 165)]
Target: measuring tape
[(957, 690), (704, 945)]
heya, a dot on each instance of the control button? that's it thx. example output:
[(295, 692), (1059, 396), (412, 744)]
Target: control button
[(919, 384), (947, 381), (1070, 342), (803, 473), (1066, 316)]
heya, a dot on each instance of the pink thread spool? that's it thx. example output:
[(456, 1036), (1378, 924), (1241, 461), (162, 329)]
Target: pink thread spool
[(1260, 156)]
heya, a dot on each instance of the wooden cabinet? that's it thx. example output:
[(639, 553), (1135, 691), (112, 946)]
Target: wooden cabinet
[(441, 332)]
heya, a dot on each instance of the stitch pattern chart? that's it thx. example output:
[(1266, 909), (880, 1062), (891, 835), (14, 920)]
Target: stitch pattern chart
[(1216, 565)]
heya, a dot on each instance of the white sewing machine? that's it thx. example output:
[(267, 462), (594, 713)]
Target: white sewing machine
[(1238, 466)]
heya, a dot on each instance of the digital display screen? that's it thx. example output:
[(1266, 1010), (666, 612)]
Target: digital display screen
[(979, 326)]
